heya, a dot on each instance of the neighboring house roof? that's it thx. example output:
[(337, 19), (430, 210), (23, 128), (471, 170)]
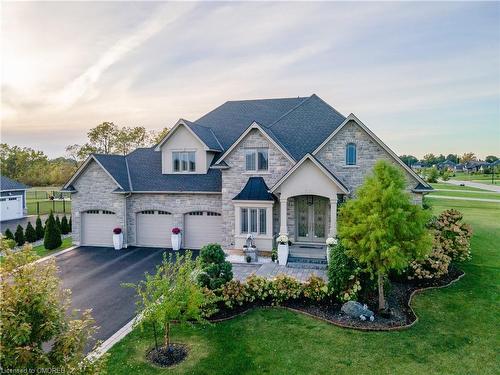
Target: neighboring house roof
[(9, 184), (446, 163), (254, 190), (495, 163)]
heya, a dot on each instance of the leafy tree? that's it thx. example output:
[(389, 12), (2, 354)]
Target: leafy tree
[(467, 157), (409, 160), (216, 271), (382, 228), (127, 139), (40, 231), (452, 157), (171, 294), (490, 158), (30, 233), (429, 160), (102, 137), (52, 239), (19, 236), (64, 225), (432, 175), (34, 311), (157, 137), (440, 158), (8, 234)]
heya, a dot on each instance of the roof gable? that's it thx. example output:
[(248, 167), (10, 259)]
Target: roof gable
[(202, 134)]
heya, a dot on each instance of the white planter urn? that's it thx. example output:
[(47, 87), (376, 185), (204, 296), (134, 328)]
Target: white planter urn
[(282, 254), (176, 241), (118, 241)]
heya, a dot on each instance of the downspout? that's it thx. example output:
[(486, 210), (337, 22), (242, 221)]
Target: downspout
[(126, 220)]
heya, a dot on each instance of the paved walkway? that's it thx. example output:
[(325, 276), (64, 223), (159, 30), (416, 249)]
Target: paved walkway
[(463, 198), (271, 270), (478, 185)]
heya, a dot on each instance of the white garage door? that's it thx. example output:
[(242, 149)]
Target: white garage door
[(201, 228), (154, 228), (11, 207), (97, 227)]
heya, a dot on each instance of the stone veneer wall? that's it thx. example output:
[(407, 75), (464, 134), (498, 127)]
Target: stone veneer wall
[(94, 192), (368, 152), (177, 204), (235, 178)]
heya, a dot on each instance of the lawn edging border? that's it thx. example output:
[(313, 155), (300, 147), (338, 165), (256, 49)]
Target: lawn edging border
[(56, 254), (341, 325)]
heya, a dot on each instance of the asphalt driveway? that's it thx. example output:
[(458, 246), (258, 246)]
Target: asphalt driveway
[(95, 274)]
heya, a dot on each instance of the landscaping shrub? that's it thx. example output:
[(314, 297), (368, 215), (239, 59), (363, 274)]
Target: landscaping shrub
[(315, 288), (258, 288), (284, 288), (52, 239), (453, 235), (216, 271), (30, 233), (8, 234), (343, 274), (58, 223), (70, 225), (19, 236), (64, 225), (40, 231), (210, 305), (432, 175), (451, 242), (234, 293)]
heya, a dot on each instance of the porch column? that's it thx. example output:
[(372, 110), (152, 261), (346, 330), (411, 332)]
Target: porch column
[(333, 216), (283, 215)]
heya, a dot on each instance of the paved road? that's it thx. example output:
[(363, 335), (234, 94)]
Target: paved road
[(95, 274), (479, 185)]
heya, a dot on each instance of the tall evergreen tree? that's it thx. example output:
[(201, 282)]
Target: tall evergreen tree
[(40, 232), (19, 236), (52, 239), (70, 225), (58, 223), (382, 229), (8, 234), (30, 233), (64, 225)]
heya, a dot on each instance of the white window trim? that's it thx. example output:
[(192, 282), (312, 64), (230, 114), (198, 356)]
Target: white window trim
[(255, 151), (238, 205), (184, 151)]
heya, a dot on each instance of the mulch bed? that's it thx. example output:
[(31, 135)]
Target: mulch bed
[(167, 357), (398, 300)]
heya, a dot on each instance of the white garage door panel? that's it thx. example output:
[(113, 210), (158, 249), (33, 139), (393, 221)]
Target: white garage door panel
[(97, 228), (202, 228), (154, 228), (11, 207)]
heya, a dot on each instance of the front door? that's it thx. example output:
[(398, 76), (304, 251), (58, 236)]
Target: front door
[(311, 218)]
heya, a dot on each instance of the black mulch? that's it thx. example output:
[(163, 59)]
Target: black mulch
[(166, 357), (397, 299)]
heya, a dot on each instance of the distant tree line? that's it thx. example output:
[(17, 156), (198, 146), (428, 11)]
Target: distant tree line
[(34, 168), (430, 159)]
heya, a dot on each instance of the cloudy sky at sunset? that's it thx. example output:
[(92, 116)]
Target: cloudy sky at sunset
[(424, 77)]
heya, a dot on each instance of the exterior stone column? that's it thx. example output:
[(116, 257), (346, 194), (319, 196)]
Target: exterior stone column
[(333, 217), (283, 215)]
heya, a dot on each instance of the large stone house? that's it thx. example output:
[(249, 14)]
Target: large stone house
[(259, 167)]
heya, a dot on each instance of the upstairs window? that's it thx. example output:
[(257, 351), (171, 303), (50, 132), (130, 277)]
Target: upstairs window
[(184, 161), (256, 159), (350, 154)]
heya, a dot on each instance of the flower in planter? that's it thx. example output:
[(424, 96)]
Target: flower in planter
[(282, 239), (176, 230), (330, 241), (117, 230)]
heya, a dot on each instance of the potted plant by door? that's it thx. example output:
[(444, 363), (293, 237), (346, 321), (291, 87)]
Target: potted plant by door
[(117, 238), (176, 238), (282, 249)]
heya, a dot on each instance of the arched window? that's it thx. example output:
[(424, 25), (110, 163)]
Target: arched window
[(350, 154)]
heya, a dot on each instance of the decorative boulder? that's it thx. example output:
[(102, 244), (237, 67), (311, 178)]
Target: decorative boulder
[(357, 310)]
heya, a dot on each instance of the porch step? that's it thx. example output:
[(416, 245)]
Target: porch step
[(308, 263)]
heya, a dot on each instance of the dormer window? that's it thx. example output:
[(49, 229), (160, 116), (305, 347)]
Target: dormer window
[(350, 154), (256, 159), (184, 161)]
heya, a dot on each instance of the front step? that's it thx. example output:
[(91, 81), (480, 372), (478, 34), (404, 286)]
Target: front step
[(303, 262)]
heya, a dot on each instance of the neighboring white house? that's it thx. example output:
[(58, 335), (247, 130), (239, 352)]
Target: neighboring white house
[(12, 199)]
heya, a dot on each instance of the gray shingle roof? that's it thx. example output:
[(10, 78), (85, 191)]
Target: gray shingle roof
[(254, 190), (9, 184), (117, 167), (205, 134)]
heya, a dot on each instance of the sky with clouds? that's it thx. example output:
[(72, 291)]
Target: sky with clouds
[(425, 77)]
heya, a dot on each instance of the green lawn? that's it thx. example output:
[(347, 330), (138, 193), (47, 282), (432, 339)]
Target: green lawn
[(457, 332), (42, 251), (43, 207), (468, 194), (454, 187), (478, 177)]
